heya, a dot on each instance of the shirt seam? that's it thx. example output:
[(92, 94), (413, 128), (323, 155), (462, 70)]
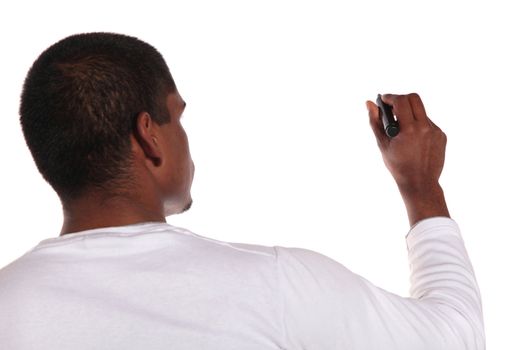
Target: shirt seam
[(57, 241)]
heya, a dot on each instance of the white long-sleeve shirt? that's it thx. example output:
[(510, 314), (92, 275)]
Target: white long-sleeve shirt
[(154, 286)]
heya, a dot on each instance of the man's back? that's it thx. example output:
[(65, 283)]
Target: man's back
[(141, 287), (154, 286)]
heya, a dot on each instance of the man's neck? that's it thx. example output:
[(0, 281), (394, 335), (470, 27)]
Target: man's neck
[(95, 211)]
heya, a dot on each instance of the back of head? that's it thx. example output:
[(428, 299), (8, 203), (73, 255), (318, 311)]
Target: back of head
[(79, 105)]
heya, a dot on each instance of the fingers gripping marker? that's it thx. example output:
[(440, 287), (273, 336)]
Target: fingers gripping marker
[(390, 124)]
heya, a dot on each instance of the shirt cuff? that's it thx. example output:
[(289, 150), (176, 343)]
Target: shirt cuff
[(438, 223)]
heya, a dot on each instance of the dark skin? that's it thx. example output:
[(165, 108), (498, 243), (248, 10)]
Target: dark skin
[(163, 167), (415, 157)]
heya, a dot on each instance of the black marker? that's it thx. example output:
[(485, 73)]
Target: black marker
[(389, 123)]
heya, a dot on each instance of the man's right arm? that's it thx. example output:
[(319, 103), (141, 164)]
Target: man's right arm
[(328, 306), (438, 259)]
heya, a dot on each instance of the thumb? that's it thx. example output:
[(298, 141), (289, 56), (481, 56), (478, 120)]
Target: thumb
[(375, 123)]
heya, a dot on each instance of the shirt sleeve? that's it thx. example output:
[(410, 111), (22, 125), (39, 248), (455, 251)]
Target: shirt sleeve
[(326, 306)]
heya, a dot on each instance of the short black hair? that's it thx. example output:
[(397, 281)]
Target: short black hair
[(79, 106)]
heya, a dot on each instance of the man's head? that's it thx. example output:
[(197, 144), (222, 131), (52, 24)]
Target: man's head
[(100, 113)]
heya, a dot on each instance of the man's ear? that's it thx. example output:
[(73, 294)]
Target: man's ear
[(146, 133)]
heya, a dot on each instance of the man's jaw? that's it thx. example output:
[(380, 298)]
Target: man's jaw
[(171, 209)]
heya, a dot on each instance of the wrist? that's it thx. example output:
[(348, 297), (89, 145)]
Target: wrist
[(420, 190), (423, 202)]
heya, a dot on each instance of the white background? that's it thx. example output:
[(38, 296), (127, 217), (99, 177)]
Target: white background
[(279, 131)]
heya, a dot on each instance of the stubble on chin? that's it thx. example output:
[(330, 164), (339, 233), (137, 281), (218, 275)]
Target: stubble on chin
[(172, 210), (188, 206)]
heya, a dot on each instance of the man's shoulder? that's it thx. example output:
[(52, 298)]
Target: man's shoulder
[(17, 286)]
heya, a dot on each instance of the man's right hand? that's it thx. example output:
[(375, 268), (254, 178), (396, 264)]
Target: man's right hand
[(415, 157)]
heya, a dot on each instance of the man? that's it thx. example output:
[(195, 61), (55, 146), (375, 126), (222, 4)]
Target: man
[(101, 115)]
